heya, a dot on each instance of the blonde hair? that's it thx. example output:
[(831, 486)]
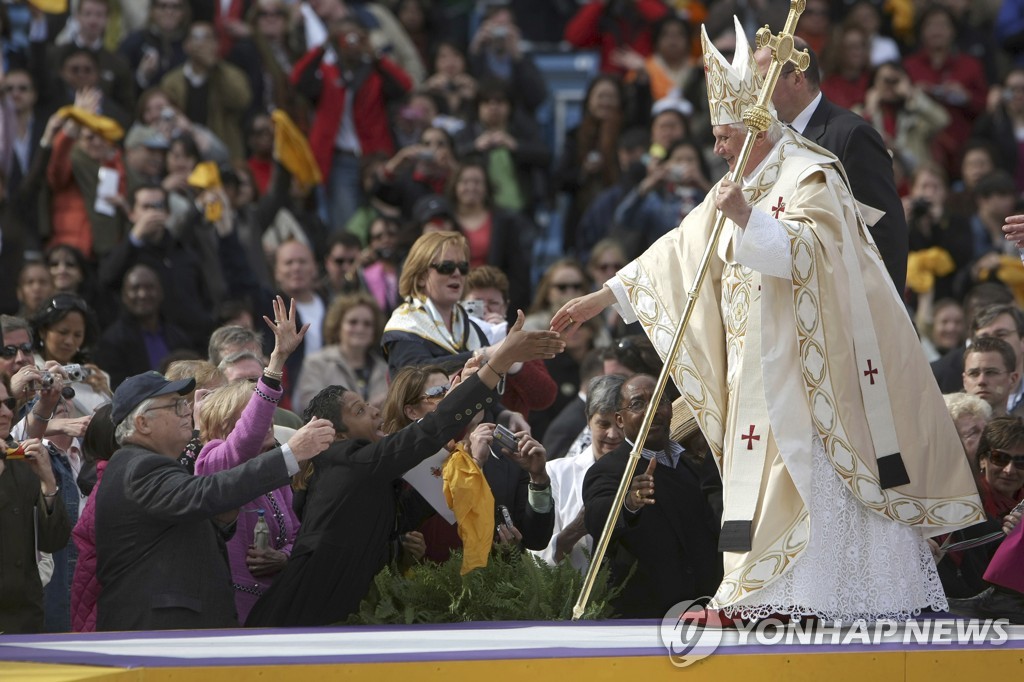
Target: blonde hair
[(221, 409), (203, 372), (341, 306), (422, 253)]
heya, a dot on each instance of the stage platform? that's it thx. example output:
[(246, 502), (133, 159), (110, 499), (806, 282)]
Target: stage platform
[(495, 652)]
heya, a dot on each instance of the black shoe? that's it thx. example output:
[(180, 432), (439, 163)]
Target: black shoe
[(994, 603)]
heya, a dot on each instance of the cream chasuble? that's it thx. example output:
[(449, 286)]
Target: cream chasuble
[(825, 360)]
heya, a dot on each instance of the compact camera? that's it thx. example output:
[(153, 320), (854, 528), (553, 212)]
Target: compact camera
[(474, 307), (505, 438)]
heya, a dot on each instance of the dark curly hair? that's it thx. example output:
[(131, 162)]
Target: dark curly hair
[(327, 405)]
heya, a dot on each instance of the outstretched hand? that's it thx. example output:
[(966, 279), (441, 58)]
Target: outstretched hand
[(523, 346), (286, 337), (573, 314)]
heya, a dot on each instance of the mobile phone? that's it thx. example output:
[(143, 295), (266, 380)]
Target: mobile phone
[(502, 516), (505, 438)]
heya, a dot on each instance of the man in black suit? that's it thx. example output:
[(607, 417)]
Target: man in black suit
[(801, 105), (159, 530), (674, 543)]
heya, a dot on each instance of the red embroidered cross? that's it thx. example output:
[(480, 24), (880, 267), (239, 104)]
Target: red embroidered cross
[(750, 438), (779, 208), (870, 372), (435, 472)]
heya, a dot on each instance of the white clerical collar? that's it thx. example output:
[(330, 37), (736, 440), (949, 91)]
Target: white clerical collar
[(799, 123), (748, 177)]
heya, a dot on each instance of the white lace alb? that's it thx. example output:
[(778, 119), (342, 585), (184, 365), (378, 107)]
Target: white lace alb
[(857, 564)]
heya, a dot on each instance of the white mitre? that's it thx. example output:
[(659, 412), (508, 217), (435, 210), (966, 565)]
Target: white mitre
[(732, 88)]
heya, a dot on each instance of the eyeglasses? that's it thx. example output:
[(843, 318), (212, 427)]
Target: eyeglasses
[(639, 405), (68, 302), (448, 267), (9, 403), (8, 352), (988, 372), (568, 286), (1000, 458), (435, 392), (182, 407)]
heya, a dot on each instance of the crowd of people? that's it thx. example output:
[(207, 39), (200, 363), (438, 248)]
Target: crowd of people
[(264, 260)]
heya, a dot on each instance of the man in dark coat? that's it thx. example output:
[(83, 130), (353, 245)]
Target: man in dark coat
[(139, 340), (673, 543), (160, 530), (801, 105)]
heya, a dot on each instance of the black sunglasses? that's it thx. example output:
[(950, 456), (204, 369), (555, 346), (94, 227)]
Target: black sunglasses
[(435, 393), (8, 352), (9, 403), (1000, 458), (448, 267), (68, 302), (569, 286)]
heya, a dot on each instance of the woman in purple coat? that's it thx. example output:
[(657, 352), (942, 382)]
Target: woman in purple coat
[(236, 423)]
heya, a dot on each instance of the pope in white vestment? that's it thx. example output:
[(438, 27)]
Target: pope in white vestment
[(804, 373)]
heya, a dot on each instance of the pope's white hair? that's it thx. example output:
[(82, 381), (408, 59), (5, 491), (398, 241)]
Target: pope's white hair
[(773, 134)]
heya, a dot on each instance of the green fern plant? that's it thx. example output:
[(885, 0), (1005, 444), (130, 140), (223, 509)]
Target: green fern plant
[(513, 586)]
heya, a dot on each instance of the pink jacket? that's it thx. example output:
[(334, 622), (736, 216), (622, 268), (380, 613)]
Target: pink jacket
[(85, 587), (243, 444)]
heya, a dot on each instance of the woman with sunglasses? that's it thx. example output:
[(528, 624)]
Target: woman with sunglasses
[(351, 353), (65, 331), (1001, 484), (415, 393), (431, 326)]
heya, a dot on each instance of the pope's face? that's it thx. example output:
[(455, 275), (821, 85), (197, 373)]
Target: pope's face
[(729, 142)]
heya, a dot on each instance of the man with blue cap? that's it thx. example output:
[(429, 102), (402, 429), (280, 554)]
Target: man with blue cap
[(160, 559)]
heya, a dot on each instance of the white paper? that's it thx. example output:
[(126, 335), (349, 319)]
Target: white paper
[(425, 477), (107, 187)]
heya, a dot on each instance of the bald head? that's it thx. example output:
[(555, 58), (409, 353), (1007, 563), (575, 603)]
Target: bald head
[(794, 89)]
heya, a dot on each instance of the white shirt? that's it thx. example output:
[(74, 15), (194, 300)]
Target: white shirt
[(799, 123), (312, 312), (567, 476)]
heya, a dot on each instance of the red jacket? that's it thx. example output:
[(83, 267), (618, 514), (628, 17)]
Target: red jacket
[(320, 83), (85, 586), (590, 28)]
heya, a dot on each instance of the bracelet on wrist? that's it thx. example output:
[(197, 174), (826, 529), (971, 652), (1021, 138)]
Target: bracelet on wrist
[(272, 374), (56, 489)]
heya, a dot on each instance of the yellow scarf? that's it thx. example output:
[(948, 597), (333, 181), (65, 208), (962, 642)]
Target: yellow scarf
[(468, 495)]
